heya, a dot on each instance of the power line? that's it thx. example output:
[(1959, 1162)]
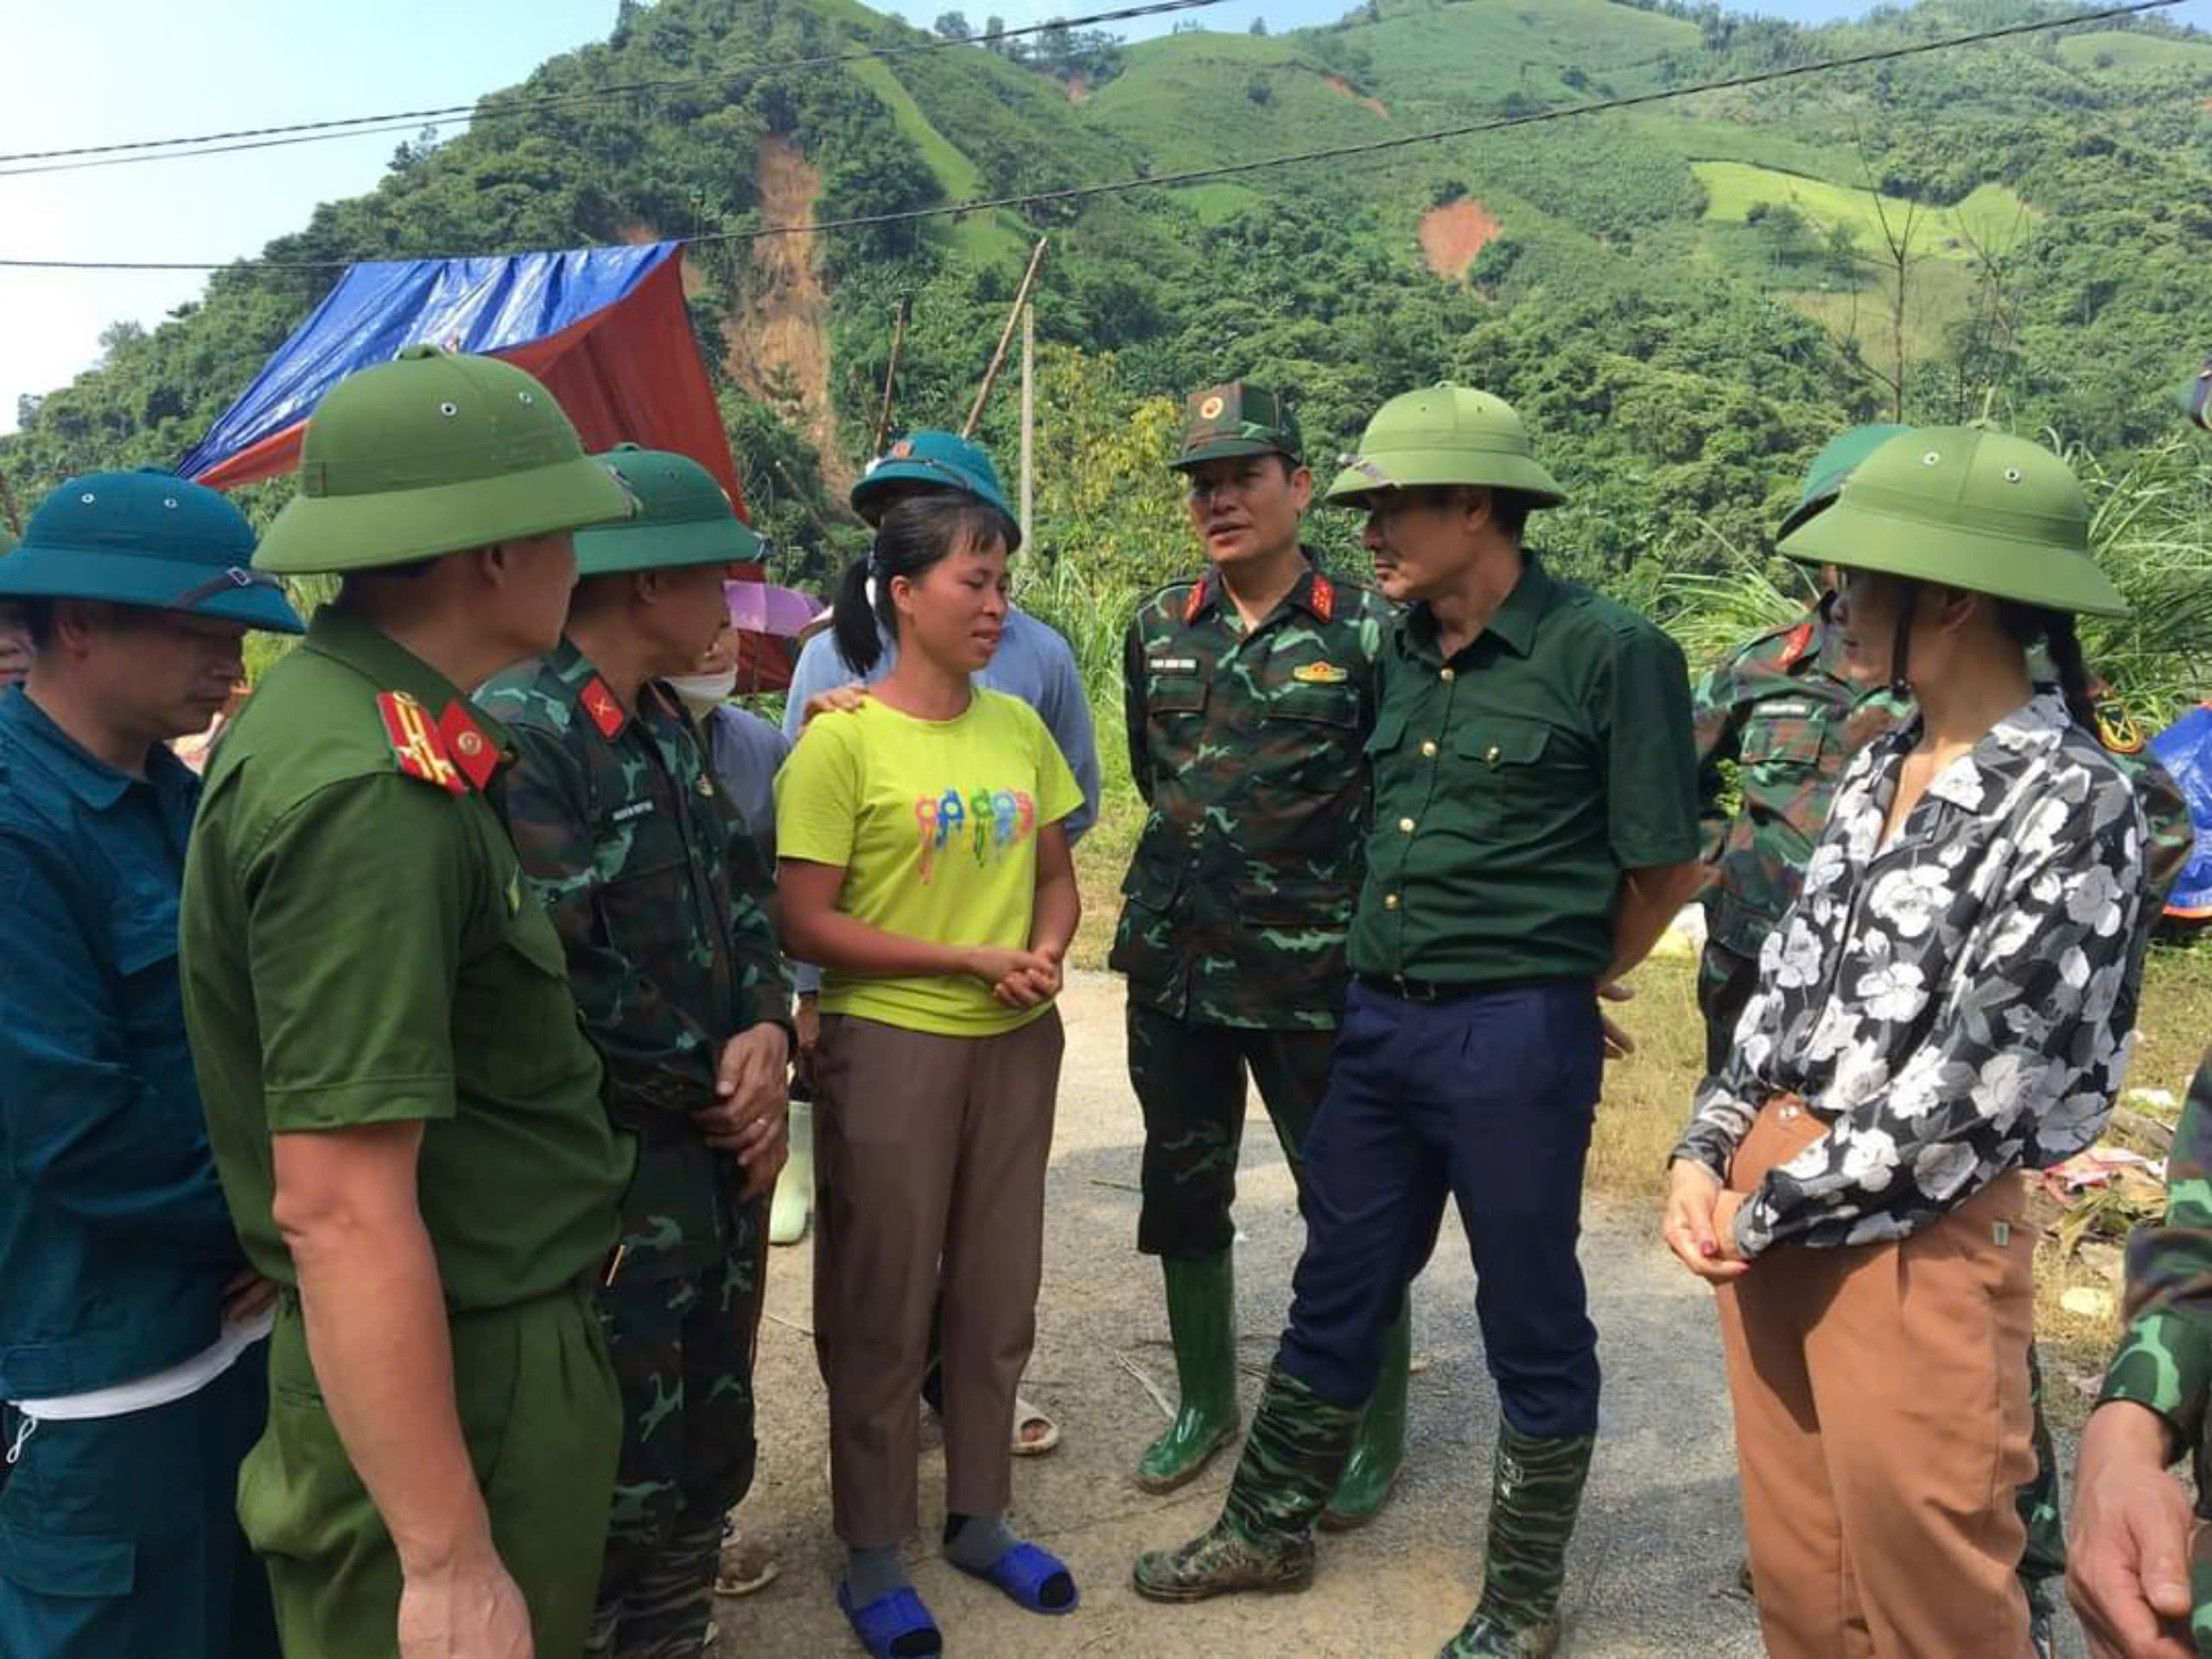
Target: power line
[(352, 126), (1228, 170)]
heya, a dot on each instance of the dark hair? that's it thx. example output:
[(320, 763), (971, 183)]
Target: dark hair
[(1510, 511), (2025, 624), (37, 617), (915, 534)]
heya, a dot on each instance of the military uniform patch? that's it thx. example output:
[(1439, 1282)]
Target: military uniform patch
[(1323, 599), (416, 743), (467, 746), (1320, 674), (599, 703), (1172, 664)]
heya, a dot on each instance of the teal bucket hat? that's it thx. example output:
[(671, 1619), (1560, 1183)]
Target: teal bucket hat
[(683, 518), (944, 460), (147, 538)]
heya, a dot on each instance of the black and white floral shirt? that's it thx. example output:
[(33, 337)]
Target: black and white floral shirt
[(1953, 1004)]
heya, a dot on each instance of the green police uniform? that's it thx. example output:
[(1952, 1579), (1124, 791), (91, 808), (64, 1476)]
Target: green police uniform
[(359, 947), (650, 877), (1245, 743)]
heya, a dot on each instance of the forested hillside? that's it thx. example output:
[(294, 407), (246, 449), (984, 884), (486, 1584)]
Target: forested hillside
[(1685, 298)]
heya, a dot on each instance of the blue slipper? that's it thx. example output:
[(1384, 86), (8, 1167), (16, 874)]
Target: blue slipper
[(1023, 1572), (890, 1620)]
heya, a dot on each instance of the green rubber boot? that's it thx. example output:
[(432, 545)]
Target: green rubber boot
[(1535, 1491), (1202, 1320), (1264, 1539), (794, 1202), (1377, 1454)]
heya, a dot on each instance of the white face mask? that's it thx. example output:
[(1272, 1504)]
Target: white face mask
[(704, 693)]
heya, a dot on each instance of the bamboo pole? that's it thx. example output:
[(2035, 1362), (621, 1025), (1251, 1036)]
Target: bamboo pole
[(1028, 412), (1006, 338), (891, 374)]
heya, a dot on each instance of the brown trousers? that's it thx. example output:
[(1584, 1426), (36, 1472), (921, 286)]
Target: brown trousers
[(931, 1153), (1881, 1424)]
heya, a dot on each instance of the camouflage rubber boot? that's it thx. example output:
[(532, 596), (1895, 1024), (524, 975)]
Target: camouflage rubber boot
[(1264, 1539), (2043, 1562), (1202, 1320), (1535, 1490), (1379, 1452)]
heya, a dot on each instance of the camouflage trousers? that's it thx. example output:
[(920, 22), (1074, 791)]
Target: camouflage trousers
[(683, 1351), (1725, 984), (1190, 1083)]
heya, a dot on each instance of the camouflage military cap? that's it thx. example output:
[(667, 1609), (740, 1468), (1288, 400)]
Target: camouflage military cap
[(1236, 419)]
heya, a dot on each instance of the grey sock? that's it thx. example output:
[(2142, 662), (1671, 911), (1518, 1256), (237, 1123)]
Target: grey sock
[(976, 1542), (872, 1574)]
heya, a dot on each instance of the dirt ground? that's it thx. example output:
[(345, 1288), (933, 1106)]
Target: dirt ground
[(1653, 1568)]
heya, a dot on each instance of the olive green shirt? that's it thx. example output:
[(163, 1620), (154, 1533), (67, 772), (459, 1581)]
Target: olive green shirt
[(1515, 783), (359, 947)]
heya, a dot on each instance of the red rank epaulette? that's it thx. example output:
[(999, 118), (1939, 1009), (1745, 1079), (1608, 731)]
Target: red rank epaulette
[(1195, 603), (467, 746), (1324, 597), (1801, 638), (421, 752), (599, 703)]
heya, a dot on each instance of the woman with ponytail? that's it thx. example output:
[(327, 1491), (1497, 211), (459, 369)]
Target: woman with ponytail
[(1948, 1002), (924, 864)]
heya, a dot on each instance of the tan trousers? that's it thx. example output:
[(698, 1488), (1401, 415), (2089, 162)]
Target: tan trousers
[(1881, 1424), (931, 1152)]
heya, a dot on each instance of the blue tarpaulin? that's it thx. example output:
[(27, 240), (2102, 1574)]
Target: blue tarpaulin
[(2184, 748), (514, 306)]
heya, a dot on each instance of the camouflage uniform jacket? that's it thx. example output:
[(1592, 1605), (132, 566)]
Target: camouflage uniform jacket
[(1782, 710), (647, 870), (1248, 747), (2164, 1360)]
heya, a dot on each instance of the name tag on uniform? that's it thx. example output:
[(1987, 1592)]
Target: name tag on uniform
[(635, 810), (1321, 674), (1788, 710), (1172, 664)]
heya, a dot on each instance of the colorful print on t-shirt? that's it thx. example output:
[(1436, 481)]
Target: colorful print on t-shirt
[(995, 821)]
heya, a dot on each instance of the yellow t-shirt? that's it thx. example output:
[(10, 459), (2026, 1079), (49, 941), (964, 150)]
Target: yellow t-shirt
[(934, 823)]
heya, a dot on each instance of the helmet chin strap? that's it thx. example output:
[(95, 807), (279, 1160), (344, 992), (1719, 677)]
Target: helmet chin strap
[(1901, 642)]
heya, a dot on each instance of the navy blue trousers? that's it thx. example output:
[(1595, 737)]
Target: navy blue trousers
[(1488, 1098), (119, 1536)]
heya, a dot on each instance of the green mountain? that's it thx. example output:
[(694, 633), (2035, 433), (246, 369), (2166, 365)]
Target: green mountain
[(1684, 296)]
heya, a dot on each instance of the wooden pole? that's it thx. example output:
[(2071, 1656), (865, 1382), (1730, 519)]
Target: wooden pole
[(799, 495), (1006, 339), (1028, 412), (891, 374)]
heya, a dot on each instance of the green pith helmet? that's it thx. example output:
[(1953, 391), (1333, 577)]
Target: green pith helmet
[(1839, 458), (435, 452), (1236, 419), (1971, 509), (683, 518), (147, 538), (1444, 434)]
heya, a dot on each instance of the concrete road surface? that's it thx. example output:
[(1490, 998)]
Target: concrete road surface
[(1654, 1564)]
